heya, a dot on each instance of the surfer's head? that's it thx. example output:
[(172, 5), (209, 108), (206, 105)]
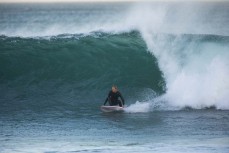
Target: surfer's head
[(114, 88)]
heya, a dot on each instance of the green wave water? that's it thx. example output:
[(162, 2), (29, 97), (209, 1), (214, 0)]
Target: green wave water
[(32, 68)]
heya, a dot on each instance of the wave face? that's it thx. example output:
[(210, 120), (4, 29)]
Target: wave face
[(76, 66), (162, 55), (191, 47)]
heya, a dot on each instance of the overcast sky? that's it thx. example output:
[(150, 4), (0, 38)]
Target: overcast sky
[(94, 0), (61, 0)]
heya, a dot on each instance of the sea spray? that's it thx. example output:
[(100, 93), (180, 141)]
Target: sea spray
[(194, 63), (188, 41)]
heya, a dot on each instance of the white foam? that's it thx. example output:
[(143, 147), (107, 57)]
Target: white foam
[(199, 89), (195, 70)]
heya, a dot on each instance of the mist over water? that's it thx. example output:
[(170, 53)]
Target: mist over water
[(83, 18), (57, 19)]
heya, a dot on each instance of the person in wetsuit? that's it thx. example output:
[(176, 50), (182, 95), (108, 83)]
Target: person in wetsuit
[(113, 97)]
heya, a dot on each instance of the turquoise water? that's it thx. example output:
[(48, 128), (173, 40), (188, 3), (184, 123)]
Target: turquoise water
[(59, 61)]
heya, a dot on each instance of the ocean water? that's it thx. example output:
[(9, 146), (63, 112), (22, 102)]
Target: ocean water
[(169, 60)]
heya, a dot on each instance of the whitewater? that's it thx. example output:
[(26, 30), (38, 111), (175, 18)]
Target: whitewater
[(169, 60)]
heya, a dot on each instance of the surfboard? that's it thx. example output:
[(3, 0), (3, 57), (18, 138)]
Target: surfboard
[(109, 109)]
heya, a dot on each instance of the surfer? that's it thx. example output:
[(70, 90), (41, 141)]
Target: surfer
[(113, 97)]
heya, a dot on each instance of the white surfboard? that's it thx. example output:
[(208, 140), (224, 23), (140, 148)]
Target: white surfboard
[(108, 109)]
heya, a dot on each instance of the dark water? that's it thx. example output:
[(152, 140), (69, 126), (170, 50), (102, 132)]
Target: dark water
[(93, 131), (58, 62)]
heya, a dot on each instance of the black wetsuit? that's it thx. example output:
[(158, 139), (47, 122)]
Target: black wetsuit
[(113, 98)]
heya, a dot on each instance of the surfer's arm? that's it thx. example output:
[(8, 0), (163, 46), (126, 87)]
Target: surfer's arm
[(123, 101)]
